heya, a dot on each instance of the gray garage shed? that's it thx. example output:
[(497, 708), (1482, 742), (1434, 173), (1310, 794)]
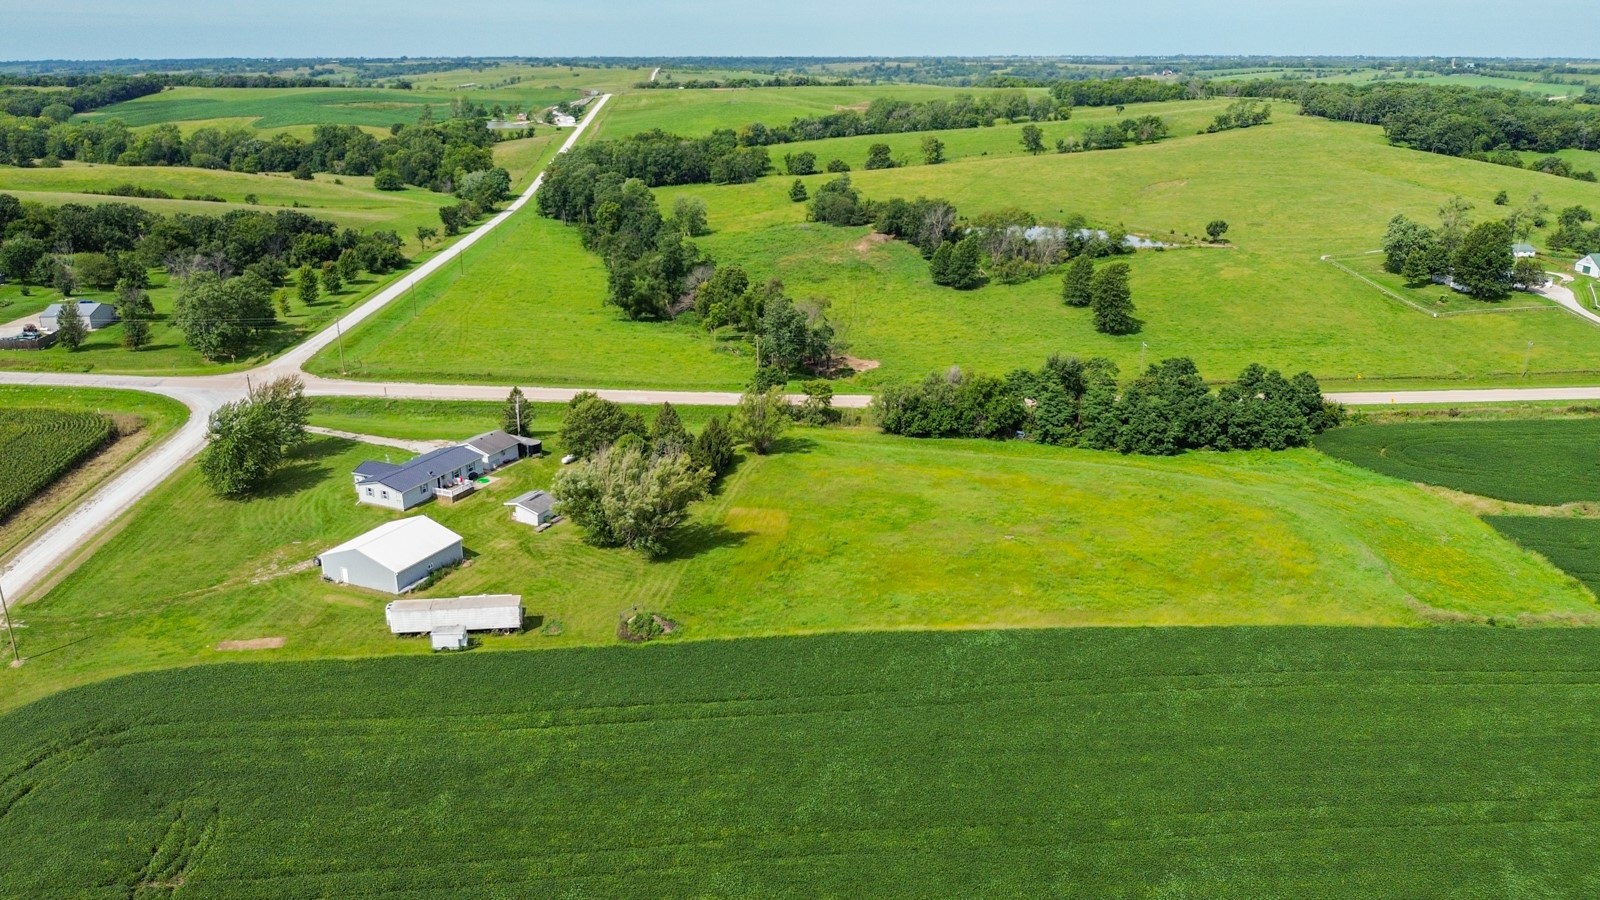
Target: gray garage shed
[(394, 556)]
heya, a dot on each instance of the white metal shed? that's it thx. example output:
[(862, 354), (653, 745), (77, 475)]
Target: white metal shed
[(450, 637), (394, 556), (486, 612)]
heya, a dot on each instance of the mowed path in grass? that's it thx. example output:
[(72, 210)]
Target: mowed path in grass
[(1096, 763), (1291, 191), (844, 530)]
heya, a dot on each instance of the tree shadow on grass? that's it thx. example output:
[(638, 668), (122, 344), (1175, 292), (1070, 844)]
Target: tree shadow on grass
[(692, 540), (793, 444), (304, 469)]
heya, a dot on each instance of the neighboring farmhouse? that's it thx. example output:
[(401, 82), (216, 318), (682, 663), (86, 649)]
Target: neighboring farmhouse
[(394, 557), (95, 315), (1524, 251), (446, 473), (1589, 265)]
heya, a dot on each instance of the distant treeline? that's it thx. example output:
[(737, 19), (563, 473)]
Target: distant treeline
[(774, 81), (88, 92), (1077, 402), (1454, 120), (426, 155)]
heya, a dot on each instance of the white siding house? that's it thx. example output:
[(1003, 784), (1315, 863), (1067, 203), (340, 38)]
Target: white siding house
[(404, 486), (495, 449), (1523, 251), (1589, 265), (393, 557)]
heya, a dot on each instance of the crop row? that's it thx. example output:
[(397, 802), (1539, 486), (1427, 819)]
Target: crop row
[(38, 446)]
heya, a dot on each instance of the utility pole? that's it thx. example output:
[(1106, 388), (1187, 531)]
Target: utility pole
[(339, 333), (413, 297), (519, 417), (1527, 357), (5, 611), (1143, 346)]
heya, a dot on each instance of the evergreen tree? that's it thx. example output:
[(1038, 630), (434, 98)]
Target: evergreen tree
[(965, 271), (713, 449), (516, 418), (667, 434), (939, 265), (135, 330), (1078, 283), (1112, 301), (797, 191), (70, 330)]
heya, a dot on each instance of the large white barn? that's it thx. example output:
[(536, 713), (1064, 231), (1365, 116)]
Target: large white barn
[(394, 556)]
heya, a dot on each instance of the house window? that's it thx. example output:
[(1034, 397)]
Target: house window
[(369, 492), (385, 495)]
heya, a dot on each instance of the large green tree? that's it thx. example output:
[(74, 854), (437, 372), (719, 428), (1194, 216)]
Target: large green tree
[(246, 441), (1482, 264), (628, 497), (712, 449), (516, 418), (1077, 285), (70, 329), (1033, 139), (760, 419), (593, 423), (1112, 301), (222, 319)]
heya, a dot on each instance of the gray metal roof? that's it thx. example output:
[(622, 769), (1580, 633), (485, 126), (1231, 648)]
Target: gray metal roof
[(479, 601), (1523, 248), (400, 544), (492, 442), (426, 468), (85, 308), (534, 501), (374, 469)]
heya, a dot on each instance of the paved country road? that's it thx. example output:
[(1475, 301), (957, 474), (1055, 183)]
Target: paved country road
[(204, 394)]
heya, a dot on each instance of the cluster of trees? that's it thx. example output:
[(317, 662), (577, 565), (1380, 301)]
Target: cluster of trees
[(648, 257), (635, 484), (789, 338), (1074, 402), (228, 265), (57, 98), (1119, 91), (428, 155), (658, 158), (715, 84), (1245, 113), (1473, 259), (1449, 119), (885, 115), (1570, 233), (1104, 291), (248, 440), (1143, 130)]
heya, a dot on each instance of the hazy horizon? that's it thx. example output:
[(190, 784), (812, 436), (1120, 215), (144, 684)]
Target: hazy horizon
[(165, 29)]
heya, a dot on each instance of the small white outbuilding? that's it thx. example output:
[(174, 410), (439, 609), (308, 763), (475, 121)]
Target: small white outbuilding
[(535, 508), (393, 557), (1589, 265)]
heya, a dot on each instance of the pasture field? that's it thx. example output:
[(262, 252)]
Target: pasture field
[(138, 420), (1547, 462), (1292, 191), (271, 109), (1231, 762), (1437, 299), (975, 535), (39, 445), (499, 77), (453, 420)]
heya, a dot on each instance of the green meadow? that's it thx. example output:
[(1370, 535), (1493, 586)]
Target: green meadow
[(277, 108), (1292, 191), (844, 529), (1232, 762)]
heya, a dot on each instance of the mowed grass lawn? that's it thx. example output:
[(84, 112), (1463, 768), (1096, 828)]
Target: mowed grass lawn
[(845, 530), (1291, 191), (1096, 763)]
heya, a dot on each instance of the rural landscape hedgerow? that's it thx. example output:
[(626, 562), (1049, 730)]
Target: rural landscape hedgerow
[(632, 451)]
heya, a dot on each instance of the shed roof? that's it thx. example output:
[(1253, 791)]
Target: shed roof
[(425, 468), (491, 442), (534, 501), (447, 604), (85, 308), (1523, 248), (400, 544), (1593, 259)]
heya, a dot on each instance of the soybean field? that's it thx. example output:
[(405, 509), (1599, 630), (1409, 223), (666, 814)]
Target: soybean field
[(1185, 762), (1542, 461), (37, 446), (1572, 544)]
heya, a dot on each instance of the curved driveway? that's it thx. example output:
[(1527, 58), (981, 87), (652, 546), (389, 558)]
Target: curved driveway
[(204, 394)]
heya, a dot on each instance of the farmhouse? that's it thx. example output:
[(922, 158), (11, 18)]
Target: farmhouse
[(484, 612), (393, 557), (446, 473), (95, 315), (1523, 251), (1589, 265), (533, 508)]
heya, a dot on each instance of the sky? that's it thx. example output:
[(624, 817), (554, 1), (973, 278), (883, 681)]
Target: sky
[(150, 29)]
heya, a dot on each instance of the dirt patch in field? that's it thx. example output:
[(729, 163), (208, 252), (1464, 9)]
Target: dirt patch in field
[(268, 643), (872, 240), (858, 365), (856, 107)]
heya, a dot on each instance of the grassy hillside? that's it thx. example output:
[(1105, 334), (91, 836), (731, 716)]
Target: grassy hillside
[(844, 530), (278, 108), (1094, 763), (1292, 192)]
